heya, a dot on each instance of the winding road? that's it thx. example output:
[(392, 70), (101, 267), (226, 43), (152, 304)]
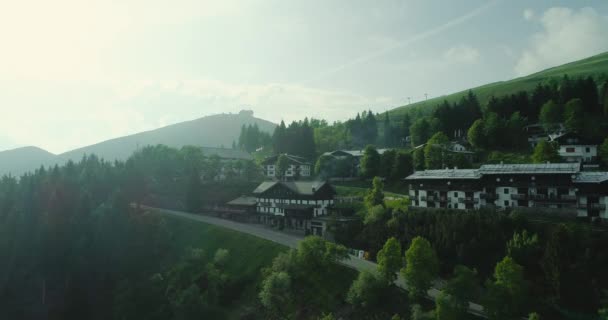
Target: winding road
[(291, 241)]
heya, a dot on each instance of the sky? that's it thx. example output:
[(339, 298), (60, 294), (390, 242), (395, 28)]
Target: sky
[(74, 72)]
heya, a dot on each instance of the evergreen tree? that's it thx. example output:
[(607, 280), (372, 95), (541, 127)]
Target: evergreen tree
[(390, 260), (403, 166), (476, 135), (375, 195), (421, 267), (550, 115), (281, 166), (545, 152), (370, 163), (419, 159), (387, 162), (435, 151), (574, 115)]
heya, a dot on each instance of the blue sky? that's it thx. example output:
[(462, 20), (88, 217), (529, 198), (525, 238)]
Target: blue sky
[(75, 73)]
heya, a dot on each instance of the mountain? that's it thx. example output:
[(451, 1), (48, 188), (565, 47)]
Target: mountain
[(20, 160), (210, 131), (595, 66)]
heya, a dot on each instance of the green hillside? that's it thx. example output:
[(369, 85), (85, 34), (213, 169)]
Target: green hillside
[(596, 66)]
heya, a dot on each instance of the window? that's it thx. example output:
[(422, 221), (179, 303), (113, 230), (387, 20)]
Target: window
[(570, 149), (455, 194), (587, 149), (506, 190), (506, 203)]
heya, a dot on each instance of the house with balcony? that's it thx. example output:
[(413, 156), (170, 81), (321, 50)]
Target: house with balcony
[(574, 148), (353, 157), (554, 186), (295, 205), (298, 167)]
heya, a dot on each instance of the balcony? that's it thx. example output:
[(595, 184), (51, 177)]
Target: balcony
[(443, 199), (592, 206), (519, 196), (468, 200), (430, 198)]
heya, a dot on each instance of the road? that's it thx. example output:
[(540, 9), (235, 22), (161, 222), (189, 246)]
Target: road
[(291, 240)]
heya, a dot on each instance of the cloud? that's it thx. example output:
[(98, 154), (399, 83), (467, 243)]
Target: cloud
[(567, 35), (529, 14), (461, 54)]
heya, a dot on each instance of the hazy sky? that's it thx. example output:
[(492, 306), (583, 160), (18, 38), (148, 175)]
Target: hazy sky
[(76, 72)]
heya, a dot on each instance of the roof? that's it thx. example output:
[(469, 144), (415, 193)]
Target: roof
[(591, 177), (243, 201), (290, 157), (299, 187), (225, 153), (571, 138), (531, 168), (354, 153), (445, 174)]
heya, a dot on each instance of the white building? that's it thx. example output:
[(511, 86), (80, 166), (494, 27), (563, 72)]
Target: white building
[(295, 204), (574, 148), (553, 186), (298, 167)]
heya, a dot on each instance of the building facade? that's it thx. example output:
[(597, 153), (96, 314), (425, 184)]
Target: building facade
[(573, 148), (298, 167), (296, 205), (559, 186)]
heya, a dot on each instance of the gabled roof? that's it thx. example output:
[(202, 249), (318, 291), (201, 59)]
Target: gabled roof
[(225, 153), (292, 159), (571, 138), (243, 201), (531, 168), (307, 188), (445, 174)]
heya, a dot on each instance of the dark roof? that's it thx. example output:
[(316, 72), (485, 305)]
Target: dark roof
[(571, 138), (225, 153), (243, 201), (292, 158), (299, 187), (531, 168)]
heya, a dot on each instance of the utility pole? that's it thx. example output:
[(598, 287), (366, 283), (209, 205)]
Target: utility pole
[(426, 95)]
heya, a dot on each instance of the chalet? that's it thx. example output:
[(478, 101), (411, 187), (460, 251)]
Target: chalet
[(536, 133), (226, 157), (298, 167), (559, 186), (574, 148), (295, 205), (354, 156)]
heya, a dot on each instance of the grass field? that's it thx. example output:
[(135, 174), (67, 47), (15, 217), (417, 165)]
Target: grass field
[(596, 66)]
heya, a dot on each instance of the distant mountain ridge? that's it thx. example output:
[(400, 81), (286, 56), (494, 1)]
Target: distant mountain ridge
[(210, 131)]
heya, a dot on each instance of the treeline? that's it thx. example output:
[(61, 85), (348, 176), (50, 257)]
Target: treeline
[(72, 247), (251, 138), (560, 263)]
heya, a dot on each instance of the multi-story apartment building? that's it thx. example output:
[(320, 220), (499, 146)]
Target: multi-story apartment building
[(295, 204), (560, 186), (298, 167)]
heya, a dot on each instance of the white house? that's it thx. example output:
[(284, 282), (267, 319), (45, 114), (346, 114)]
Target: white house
[(574, 148), (298, 167)]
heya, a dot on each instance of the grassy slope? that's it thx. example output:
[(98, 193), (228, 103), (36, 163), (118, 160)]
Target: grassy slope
[(592, 66), (248, 255)]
